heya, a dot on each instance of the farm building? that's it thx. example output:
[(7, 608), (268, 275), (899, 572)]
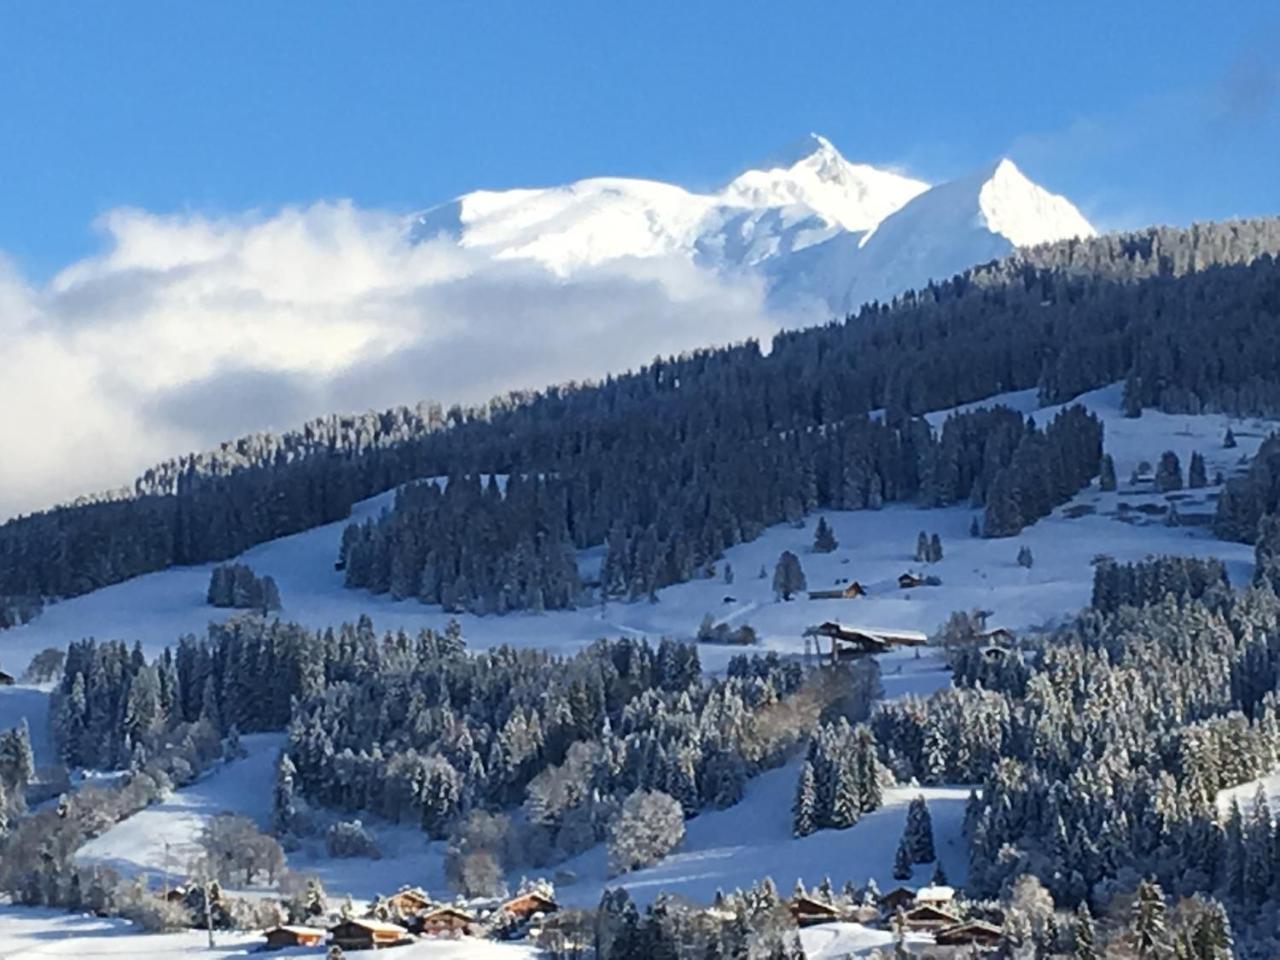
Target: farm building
[(850, 591), (445, 921), (409, 901), (969, 933), (808, 911), (928, 918), (359, 933), (848, 642), (935, 895), (279, 938), (526, 905), (898, 897)]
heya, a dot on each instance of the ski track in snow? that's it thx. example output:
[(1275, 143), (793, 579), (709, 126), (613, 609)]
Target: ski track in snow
[(722, 849)]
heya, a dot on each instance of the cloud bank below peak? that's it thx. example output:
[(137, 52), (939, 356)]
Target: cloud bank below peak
[(187, 330)]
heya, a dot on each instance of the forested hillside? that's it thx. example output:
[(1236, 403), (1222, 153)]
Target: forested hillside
[(1185, 317)]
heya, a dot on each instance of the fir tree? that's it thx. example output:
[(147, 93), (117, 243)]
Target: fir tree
[(788, 577), (803, 809), (1107, 474), (902, 860), (1084, 935), (824, 538), (918, 831), (1197, 475), (1147, 927)]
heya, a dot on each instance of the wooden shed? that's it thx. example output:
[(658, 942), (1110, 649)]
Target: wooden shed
[(360, 933), (849, 642), (898, 897), (809, 911), (528, 904), (850, 591), (927, 917), (7, 679), (445, 920), (908, 580), (278, 938), (409, 901), (968, 933)]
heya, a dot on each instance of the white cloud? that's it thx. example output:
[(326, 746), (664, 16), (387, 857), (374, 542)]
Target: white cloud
[(187, 330)]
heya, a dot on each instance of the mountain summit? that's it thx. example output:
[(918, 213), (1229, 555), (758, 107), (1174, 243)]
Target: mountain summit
[(822, 231)]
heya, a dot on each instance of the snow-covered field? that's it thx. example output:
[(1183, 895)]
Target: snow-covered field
[(875, 547), (722, 849), (27, 933)]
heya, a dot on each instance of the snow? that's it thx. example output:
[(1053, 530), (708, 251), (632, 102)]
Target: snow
[(1244, 793), (27, 933), (824, 233), (164, 839), (875, 547), (724, 849), (30, 703), (836, 941), (728, 848)]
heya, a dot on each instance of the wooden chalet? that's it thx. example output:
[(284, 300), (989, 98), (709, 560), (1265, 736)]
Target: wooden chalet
[(909, 580), (7, 679), (808, 911), (450, 921), (969, 933), (360, 933), (937, 895), (526, 905), (849, 642), (1000, 635), (898, 897), (282, 937), (850, 591), (409, 902), (927, 918)]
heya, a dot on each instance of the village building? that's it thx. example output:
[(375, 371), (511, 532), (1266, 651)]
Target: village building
[(359, 933), (848, 642), (284, 936), (969, 933), (850, 591), (409, 901), (808, 911), (445, 921), (525, 905), (908, 580), (935, 895), (899, 898), (927, 918)]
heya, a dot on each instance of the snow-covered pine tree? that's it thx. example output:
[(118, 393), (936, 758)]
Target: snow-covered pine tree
[(824, 538)]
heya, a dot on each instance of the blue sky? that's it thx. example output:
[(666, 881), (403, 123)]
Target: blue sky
[(1137, 112)]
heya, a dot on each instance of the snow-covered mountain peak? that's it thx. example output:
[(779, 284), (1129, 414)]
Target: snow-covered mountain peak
[(853, 196), (1024, 212), (824, 234)]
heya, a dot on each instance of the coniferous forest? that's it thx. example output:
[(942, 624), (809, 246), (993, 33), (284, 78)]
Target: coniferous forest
[(1182, 316), (1095, 748)]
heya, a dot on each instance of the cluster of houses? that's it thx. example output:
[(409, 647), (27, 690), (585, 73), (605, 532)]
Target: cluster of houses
[(929, 910), (409, 915)]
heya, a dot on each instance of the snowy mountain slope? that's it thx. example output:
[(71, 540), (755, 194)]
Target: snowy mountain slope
[(937, 234), (724, 849), (816, 227), (875, 546)]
